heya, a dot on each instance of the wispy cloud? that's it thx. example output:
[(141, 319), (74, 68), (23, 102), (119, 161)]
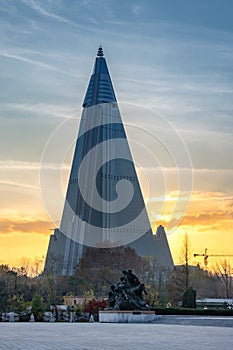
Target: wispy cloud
[(42, 11), (28, 60), (136, 9), (19, 56), (20, 165), (7, 7), (21, 185), (47, 109)]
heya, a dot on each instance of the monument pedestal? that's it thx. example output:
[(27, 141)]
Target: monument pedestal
[(121, 316)]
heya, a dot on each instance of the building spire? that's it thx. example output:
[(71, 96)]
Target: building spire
[(100, 52), (100, 89)]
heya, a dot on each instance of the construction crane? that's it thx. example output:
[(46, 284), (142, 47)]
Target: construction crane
[(206, 256)]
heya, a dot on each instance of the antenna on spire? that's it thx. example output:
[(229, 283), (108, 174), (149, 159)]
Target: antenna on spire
[(100, 52)]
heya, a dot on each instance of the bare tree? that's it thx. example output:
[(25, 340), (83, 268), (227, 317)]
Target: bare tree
[(185, 258), (180, 278), (224, 274), (32, 267)]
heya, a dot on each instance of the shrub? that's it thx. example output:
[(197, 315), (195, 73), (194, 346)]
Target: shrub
[(37, 308), (93, 307), (189, 298), (186, 311)]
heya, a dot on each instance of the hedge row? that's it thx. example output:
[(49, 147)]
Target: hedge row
[(183, 311)]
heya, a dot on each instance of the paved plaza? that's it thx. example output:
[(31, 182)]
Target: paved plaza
[(100, 336)]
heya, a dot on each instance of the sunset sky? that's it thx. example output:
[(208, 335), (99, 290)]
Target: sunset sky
[(171, 63)]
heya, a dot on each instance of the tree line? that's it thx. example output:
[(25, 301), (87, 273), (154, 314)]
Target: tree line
[(99, 268)]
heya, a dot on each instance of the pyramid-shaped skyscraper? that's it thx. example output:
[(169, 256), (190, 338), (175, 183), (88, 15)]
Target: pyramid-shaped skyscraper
[(104, 205)]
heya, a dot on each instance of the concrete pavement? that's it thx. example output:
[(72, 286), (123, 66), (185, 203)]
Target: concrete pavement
[(100, 336)]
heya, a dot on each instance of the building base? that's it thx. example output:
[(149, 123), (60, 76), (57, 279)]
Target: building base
[(121, 316)]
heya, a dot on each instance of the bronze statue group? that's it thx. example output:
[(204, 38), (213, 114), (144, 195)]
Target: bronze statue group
[(128, 293)]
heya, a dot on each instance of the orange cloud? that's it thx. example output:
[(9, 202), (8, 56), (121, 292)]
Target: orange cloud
[(206, 218), (26, 226)]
